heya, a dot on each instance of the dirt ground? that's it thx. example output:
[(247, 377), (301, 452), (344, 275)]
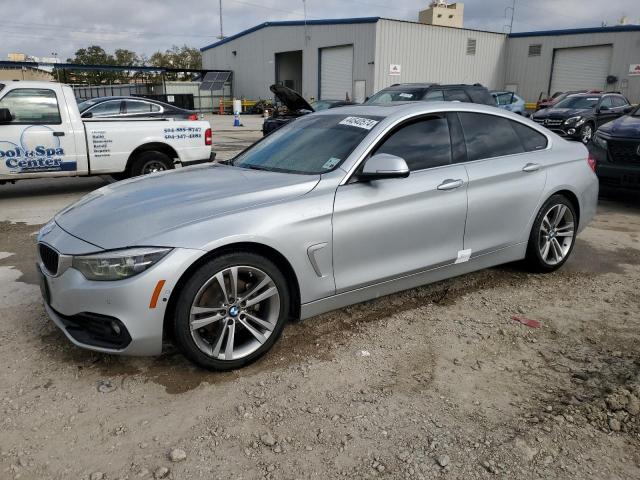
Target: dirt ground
[(435, 382)]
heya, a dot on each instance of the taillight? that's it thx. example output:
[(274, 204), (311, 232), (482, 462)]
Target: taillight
[(592, 162), (193, 116), (208, 137)]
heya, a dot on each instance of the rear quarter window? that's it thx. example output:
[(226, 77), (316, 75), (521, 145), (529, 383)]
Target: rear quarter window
[(531, 139)]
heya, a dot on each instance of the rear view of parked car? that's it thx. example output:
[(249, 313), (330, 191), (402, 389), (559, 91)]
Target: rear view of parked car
[(432, 92), (578, 116), (132, 107), (335, 208)]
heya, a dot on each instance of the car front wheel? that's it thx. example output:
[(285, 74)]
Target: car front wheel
[(231, 311), (552, 236), (586, 132)]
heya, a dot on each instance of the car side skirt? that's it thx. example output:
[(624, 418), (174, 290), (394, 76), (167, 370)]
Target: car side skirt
[(504, 255)]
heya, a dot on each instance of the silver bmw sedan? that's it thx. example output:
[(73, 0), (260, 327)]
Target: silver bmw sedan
[(335, 208)]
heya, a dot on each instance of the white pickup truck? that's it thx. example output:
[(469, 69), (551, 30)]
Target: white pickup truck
[(42, 135)]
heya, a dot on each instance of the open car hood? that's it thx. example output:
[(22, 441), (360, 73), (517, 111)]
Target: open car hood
[(290, 98)]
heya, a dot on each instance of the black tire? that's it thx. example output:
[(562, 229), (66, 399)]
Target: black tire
[(534, 260), (150, 161), (187, 295)]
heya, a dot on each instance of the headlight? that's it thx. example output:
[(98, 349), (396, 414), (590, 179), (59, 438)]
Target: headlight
[(576, 120), (118, 264), (599, 141)]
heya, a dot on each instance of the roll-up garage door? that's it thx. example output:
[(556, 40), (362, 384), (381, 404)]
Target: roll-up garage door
[(583, 68), (336, 72)]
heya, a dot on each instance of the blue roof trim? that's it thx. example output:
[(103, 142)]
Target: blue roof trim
[(288, 23), (574, 31)]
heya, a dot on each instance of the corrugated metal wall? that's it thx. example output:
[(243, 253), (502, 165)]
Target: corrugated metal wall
[(533, 74), (428, 53), (254, 62)]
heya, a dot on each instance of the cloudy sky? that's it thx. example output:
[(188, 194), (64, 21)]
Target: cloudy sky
[(40, 27)]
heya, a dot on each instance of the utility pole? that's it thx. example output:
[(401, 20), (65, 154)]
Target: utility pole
[(221, 36), (306, 32), (55, 55)]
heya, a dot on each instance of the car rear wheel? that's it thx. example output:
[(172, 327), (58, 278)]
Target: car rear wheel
[(552, 236), (150, 162), (231, 311)]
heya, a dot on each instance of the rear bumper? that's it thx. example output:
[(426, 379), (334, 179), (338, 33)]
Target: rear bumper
[(211, 158)]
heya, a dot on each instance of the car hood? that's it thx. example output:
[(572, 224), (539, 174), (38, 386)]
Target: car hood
[(626, 126), (561, 112), (133, 211), (290, 98)]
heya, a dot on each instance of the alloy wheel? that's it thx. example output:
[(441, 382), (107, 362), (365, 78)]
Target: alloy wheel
[(234, 312), (586, 133), (153, 166), (556, 234)]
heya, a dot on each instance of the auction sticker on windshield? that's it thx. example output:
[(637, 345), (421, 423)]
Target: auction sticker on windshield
[(359, 122)]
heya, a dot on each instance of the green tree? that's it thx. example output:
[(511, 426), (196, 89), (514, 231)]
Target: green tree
[(177, 57), (93, 55)]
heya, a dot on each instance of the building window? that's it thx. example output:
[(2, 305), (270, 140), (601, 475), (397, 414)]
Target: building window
[(471, 46), (535, 50)]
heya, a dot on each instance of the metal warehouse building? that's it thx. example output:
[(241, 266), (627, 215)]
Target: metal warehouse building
[(561, 60), (355, 57)]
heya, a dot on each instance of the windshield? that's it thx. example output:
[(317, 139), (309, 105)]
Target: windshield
[(396, 95), (322, 104), (82, 106), (578, 102), (312, 144), (504, 98)]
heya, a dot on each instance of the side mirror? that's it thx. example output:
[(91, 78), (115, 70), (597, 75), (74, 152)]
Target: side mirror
[(87, 115), (384, 165), (5, 116), (603, 108)]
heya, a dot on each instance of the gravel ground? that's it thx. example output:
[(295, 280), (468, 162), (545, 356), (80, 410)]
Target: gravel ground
[(433, 382)]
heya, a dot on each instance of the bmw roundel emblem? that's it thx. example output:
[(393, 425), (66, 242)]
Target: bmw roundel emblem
[(233, 311)]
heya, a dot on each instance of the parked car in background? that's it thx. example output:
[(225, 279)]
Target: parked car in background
[(293, 105), (616, 149), (579, 115), (335, 208), (510, 101), (432, 92), (132, 107)]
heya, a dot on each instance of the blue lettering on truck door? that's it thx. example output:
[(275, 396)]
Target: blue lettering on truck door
[(39, 151)]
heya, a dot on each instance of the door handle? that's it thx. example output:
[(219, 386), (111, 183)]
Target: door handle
[(450, 184), (531, 167), (58, 134)]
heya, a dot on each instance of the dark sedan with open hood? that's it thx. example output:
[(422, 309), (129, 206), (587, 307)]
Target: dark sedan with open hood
[(294, 106)]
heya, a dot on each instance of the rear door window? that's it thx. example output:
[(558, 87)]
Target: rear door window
[(488, 136), (619, 102), (456, 95), (425, 143), (36, 106), (136, 107), (105, 109)]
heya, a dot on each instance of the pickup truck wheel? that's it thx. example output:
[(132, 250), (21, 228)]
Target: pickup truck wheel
[(150, 162), (231, 311)]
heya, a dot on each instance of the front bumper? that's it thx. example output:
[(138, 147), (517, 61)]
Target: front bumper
[(565, 131), (614, 171), (85, 310)]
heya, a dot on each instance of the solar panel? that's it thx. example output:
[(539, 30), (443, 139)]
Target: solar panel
[(214, 80)]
